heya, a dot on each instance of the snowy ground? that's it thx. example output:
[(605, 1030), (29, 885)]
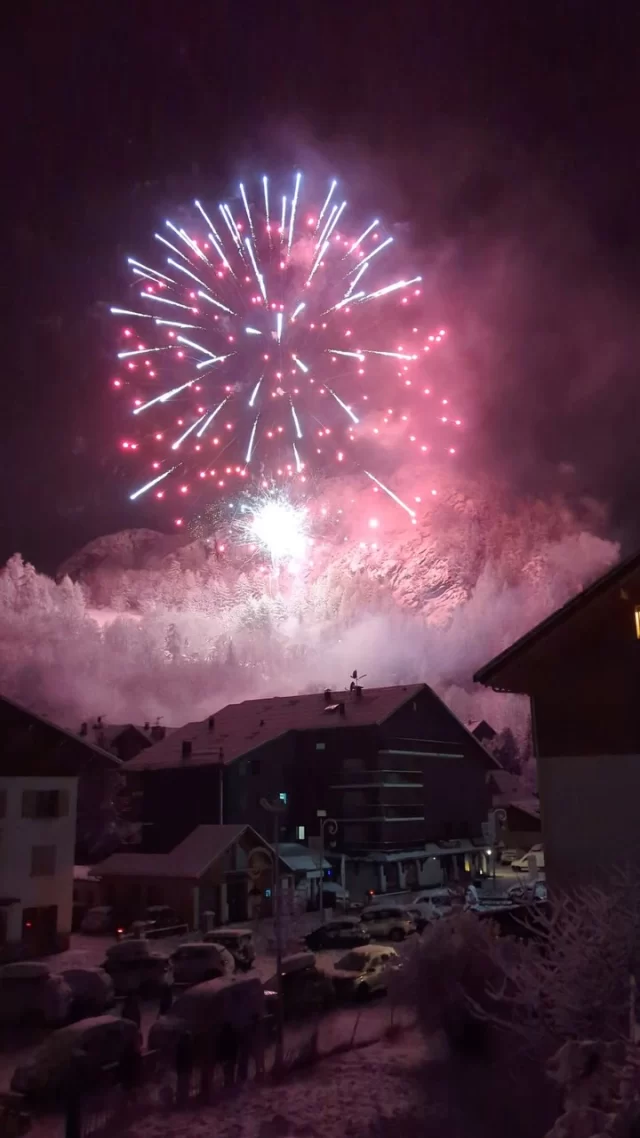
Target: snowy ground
[(340, 1096)]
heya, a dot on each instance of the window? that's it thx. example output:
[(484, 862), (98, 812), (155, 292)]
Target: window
[(320, 746), (43, 861), (45, 803), (283, 796), (3, 803), (637, 619), (300, 833)]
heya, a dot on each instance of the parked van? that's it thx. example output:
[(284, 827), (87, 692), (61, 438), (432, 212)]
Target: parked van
[(204, 1010)]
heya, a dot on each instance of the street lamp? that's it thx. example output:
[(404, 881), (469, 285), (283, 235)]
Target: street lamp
[(276, 808), (331, 825)]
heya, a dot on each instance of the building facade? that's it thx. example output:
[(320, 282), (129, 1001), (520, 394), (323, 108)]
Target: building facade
[(402, 778), (579, 668), (39, 768)]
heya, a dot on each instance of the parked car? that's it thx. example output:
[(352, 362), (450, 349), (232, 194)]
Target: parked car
[(136, 966), (387, 922), (239, 942), (363, 972), (521, 864), (305, 988), (30, 993), (345, 933), (194, 963), (507, 856), (78, 1051), (536, 891), (92, 991), (204, 1010), (421, 915), (99, 921), (440, 896), (155, 922)]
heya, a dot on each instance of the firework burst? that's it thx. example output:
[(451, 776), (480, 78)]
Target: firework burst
[(273, 344)]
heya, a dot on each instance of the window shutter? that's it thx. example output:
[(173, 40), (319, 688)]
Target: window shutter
[(29, 800), (63, 803)]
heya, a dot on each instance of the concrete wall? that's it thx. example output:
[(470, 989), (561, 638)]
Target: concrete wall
[(19, 835), (590, 816)]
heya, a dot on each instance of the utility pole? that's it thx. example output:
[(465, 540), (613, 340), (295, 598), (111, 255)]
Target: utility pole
[(332, 827), (277, 808)]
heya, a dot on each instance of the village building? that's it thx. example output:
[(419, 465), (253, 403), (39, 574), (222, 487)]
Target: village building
[(217, 874), (39, 768), (579, 668), (402, 779)]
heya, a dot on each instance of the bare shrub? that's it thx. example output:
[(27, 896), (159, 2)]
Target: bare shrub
[(572, 980), (447, 977)]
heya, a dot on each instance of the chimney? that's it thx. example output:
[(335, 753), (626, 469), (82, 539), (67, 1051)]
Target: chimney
[(327, 695), (84, 729), (212, 722), (186, 748), (357, 691), (158, 732), (147, 725), (341, 708)]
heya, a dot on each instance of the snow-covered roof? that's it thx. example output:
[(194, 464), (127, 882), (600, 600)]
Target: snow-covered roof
[(242, 727), (190, 859)]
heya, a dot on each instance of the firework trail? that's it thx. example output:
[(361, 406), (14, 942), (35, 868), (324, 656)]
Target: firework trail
[(270, 343)]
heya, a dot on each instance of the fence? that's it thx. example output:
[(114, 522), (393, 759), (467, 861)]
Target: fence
[(159, 1086)]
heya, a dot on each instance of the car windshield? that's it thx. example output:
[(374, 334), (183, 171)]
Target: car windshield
[(353, 962)]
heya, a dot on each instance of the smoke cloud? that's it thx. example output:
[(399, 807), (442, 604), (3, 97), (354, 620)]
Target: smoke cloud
[(150, 629)]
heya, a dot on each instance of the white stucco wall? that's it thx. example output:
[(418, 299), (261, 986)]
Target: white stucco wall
[(17, 837)]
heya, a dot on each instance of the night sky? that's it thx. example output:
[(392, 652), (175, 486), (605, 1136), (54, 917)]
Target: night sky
[(504, 134)]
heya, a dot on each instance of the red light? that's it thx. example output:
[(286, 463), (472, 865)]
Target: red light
[(221, 548), (178, 521), (117, 383)]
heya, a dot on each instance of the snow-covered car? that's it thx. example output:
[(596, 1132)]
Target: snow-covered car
[(76, 1052), (363, 972), (239, 942), (440, 896), (305, 988), (387, 922), (521, 864), (536, 891), (508, 856), (92, 991), (136, 966), (99, 921), (30, 993), (421, 915), (344, 933), (204, 1011), (194, 963)]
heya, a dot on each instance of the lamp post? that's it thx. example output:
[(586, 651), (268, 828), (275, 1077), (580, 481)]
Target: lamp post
[(276, 808), (331, 825)]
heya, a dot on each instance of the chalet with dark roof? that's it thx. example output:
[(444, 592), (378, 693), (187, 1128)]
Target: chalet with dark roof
[(393, 766), (580, 669)]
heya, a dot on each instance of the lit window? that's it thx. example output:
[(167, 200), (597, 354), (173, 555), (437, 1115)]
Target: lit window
[(300, 833), (283, 796), (637, 618), (320, 746)]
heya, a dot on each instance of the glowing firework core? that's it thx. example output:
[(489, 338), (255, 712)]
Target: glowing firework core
[(282, 529), (280, 326)]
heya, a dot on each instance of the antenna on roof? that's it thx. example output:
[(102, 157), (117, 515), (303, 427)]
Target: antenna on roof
[(355, 682)]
